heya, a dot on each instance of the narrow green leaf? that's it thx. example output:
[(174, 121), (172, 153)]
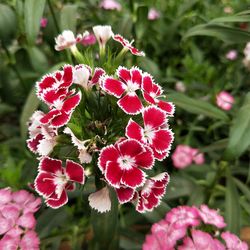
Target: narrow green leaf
[(197, 106), (239, 138), (68, 17), (232, 206), (233, 19), (7, 22), (30, 106), (33, 11), (243, 188), (38, 59), (222, 32)]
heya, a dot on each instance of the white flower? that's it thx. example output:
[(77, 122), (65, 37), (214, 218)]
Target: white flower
[(100, 200), (83, 156), (66, 40), (81, 75), (102, 33)]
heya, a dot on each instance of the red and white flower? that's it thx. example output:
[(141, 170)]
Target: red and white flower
[(42, 138), (151, 193), (53, 180), (125, 88), (151, 91), (58, 80), (67, 40), (123, 162), (83, 76), (61, 111), (155, 133), (128, 45)]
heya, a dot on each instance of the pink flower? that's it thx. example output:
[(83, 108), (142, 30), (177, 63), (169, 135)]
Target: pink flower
[(153, 14), (5, 195), (224, 100), (53, 180), (88, 38), (9, 243), (151, 91), (43, 22), (30, 241), (182, 156), (110, 5), (228, 10), (151, 193), (211, 216), (126, 87), (183, 216), (155, 133), (233, 242), (200, 240), (123, 162), (198, 157), (128, 45), (67, 40), (232, 55)]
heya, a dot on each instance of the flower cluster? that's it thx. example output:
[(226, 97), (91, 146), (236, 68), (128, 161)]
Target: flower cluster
[(184, 155), (124, 158), (17, 221), (187, 227)]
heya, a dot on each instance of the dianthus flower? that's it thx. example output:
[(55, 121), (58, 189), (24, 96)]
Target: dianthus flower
[(17, 221), (224, 100), (183, 227)]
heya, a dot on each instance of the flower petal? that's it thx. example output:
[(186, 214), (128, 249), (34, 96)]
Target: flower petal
[(154, 117), (162, 140), (52, 95), (130, 104), (75, 172), (100, 200), (124, 194), (160, 156), (46, 82), (96, 76), (71, 103), (49, 116), (148, 98), (133, 177), (107, 154), (112, 86), (145, 159), (113, 174), (50, 165), (59, 202), (67, 76), (130, 147), (123, 74), (136, 75), (167, 106), (44, 184), (134, 131), (60, 120), (34, 142)]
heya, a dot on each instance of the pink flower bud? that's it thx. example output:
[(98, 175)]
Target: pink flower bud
[(224, 100)]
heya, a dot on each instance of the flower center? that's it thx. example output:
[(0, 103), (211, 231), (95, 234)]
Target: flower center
[(58, 104), (148, 134), (126, 162), (132, 87)]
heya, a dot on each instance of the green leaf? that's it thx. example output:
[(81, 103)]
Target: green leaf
[(222, 32), (239, 138), (243, 188), (142, 20), (197, 106), (38, 59), (232, 207), (7, 22), (33, 12), (68, 17), (30, 106), (234, 18)]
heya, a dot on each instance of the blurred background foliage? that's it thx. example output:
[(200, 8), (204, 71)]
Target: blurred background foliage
[(187, 43)]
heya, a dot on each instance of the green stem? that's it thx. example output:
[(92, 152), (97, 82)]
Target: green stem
[(54, 17)]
